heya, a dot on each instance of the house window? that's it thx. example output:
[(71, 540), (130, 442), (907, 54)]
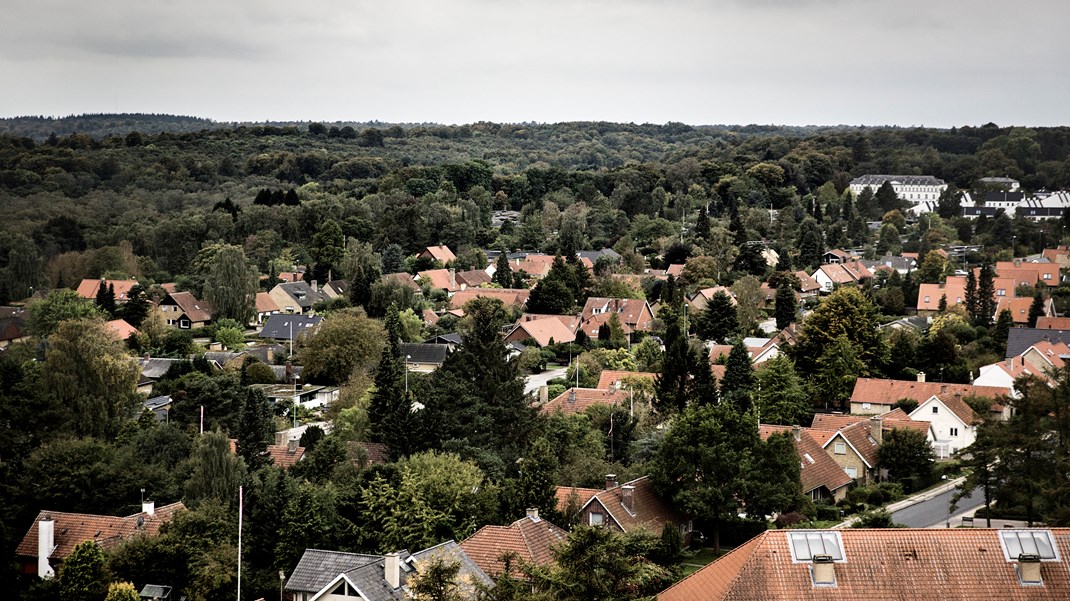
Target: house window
[(595, 518), (851, 471), (866, 405), (1001, 292), (926, 299), (841, 448), (936, 409), (954, 431), (1047, 276)]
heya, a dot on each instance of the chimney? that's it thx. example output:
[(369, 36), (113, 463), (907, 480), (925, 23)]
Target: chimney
[(544, 394), (611, 481), (876, 425), (1029, 569), (148, 507), (46, 543), (280, 438), (315, 286), (572, 395), (533, 514), (796, 433), (921, 376), (1017, 263), (453, 279), (943, 388), (823, 571), (291, 446), (392, 570), (627, 498)]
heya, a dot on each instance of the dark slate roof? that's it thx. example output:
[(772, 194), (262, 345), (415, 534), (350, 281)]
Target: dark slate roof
[(371, 580), (317, 568), (280, 372), (222, 357), (261, 351), (995, 196), (593, 255), (155, 591), (453, 338), (909, 180), (155, 368), (424, 353), (278, 326), (302, 293), (157, 402), (1020, 339)]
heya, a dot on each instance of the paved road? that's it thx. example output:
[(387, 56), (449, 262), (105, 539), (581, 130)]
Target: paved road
[(535, 380), (933, 512)]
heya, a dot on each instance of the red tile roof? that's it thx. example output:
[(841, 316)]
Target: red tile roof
[(443, 254), (509, 297), (634, 313), (70, 529), (894, 564), (89, 288), (580, 496), (609, 378), (807, 284), (887, 392), (956, 405), (402, 278), (439, 278), (265, 304), (473, 279), (577, 400), (532, 539), (650, 513), (197, 311), (817, 469), (282, 456), (1053, 323), (543, 331), (120, 327)]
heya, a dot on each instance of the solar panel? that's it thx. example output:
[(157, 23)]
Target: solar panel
[(805, 544), (1028, 542)]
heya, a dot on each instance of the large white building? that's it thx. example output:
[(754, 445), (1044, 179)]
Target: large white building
[(911, 188), (1036, 207)]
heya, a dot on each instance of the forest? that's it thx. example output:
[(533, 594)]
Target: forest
[(212, 207)]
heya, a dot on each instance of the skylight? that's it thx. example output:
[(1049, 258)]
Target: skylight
[(805, 544), (1028, 542)]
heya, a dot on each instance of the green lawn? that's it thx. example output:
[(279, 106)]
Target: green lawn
[(702, 557)]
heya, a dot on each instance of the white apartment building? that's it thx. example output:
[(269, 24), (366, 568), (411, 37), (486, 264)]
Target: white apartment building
[(911, 188)]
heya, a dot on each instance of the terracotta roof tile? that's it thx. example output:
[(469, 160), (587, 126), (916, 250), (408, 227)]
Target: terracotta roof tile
[(88, 288), (577, 400), (70, 529), (120, 327), (887, 392), (817, 469), (650, 513), (635, 313), (197, 311), (609, 378), (894, 564), (404, 279), (565, 494), (443, 254), (474, 278), (265, 304), (956, 405), (543, 331), (532, 539), (509, 297)]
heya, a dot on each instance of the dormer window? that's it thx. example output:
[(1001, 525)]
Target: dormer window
[(808, 545)]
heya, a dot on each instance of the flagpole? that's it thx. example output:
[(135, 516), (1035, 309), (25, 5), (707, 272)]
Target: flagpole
[(240, 507)]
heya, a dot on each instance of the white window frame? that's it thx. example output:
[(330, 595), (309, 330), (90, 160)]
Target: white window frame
[(851, 471), (840, 448), (595, 518)]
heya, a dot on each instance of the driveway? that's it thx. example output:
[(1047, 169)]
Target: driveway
[(534, 381)]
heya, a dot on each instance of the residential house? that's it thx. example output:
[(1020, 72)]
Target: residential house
[(821, 477), (635, 314), (152, 369), (182, 310), (54, 534), (593, 255), (289, 327), (536, 266), (858, 564), (309, 396), (1020, 339), (14, 326), (160, 406), (511, 298), (874, 396), (1053, 323), (88, 288), (953, 421), (697, 302), (296, 297), (265, 308), (808, 286), (630, 507), (401, 279), (226, 359), (422, 357), (544, 331), (334, 575), (837, 256), (473, 279), (284, 454), (838, 274), (439, 279), (853, 448), (616, 380), (577, 400), (531, 538), (910, 322), (442, 254), (903, 265), (336, 289), (760, 350), (121, 328)]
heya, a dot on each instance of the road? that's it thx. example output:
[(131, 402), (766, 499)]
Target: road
[(933, 512), (535, 380)]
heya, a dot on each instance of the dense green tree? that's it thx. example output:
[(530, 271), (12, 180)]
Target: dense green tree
[(908, 456), (718, 321), (887, 200), (503, 273), (215, 472), (364, 267), (256, 429), (1036, 309), (327, 250), (846, 312), (106, 298), (83, 576), (786, 307), (58, 306), (782, 397), (346, 341), (122, 591), (810, 243), (671, 385), (986, 296), (737, 387), (230, 284)]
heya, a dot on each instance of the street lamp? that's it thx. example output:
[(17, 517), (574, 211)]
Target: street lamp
[(282, 581), (947, 524)]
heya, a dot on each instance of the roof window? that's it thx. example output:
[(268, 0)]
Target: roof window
[(808, 544), (1028, 542)]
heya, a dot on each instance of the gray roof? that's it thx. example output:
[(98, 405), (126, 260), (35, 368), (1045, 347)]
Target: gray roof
[(424, 353), (279, 328), (1020, 339), (155, 591), (453, 338), (371, 580), (317, 568), (303, 294), (469, 573), (890, 261), (913, 321), (593, 255), (157, 402), (222, 357), (280, 372), (909, 180), (155, 368), (261, 351)]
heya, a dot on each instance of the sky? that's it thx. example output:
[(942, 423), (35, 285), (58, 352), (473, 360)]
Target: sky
[(936, 63)]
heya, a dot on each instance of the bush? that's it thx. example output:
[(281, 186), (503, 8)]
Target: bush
[(828, 513), (786, 520)]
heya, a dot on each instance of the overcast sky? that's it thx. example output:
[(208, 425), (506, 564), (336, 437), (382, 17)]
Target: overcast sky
[(873, 62)]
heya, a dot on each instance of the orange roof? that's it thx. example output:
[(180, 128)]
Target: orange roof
[(591, 325), (817, 469), (887, 392), (442, 254), (929, 295), (402, 278), (609, 378), (846, 273), (1021, 273), (120, 327), (509, 297), (956, 405), (898, 564), (635, 313), (88, 288), (474, 278), (577, 400), (439, 278), (675, 270), (292, 276), (581, 495), (283, 457), (649, 513), (70, 529), (1019, 307), (1053, 323), (544, 331), (531, 538), (197, 311), (265, 304), (807, 283)]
